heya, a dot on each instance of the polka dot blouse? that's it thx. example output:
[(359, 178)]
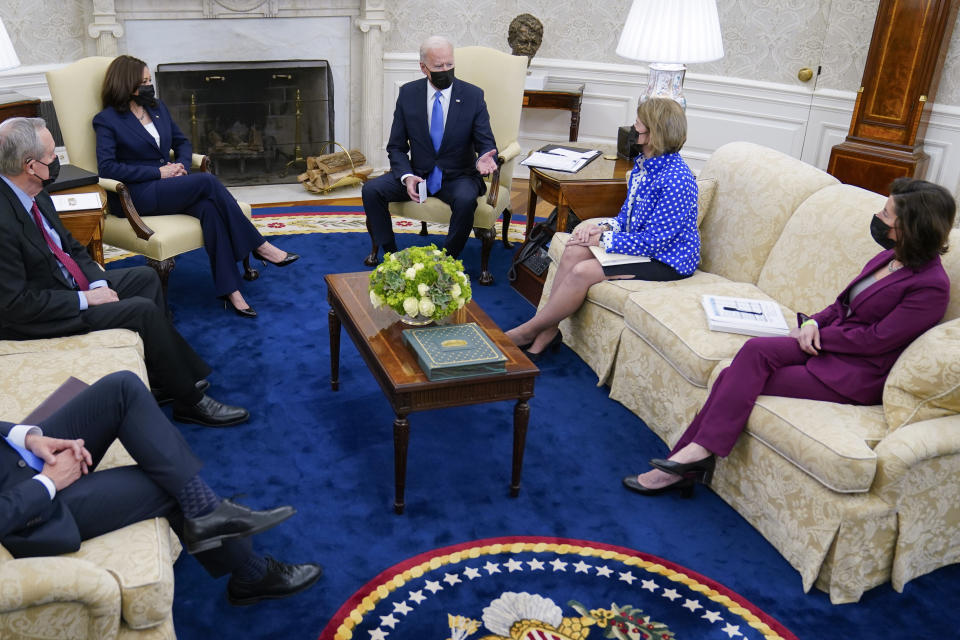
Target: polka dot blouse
[(659, 217)]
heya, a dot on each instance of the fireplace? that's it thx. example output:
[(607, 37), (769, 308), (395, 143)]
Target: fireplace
[(257, 121)]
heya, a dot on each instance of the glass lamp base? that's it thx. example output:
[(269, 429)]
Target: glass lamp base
[(665, 81)]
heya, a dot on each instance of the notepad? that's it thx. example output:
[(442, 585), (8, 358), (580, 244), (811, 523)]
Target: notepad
[(610, 259), (557, 158), (747, 316), (77, 202)]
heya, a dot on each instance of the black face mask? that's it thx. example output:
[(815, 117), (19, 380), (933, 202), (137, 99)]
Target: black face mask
[(879, 230), (147, 97), (441, 79), (54, 170)]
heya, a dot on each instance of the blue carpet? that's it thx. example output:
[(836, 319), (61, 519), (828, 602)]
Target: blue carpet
[(331, 455)]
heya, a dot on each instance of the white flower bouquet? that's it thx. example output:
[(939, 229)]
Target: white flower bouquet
[(421, 283)]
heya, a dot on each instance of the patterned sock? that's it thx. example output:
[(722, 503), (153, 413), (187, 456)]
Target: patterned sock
[(197, 498), (253, 569)]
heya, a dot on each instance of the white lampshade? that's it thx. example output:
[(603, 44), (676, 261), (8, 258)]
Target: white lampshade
[(8, 55), (672, 31)]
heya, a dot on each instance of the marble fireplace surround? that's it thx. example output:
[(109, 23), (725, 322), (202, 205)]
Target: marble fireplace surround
[(346, 33)]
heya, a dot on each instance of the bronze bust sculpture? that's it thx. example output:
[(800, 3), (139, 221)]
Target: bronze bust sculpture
[(525, 35)]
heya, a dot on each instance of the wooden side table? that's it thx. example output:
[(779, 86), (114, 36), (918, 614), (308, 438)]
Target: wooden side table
[(556, 95), (86, 225), (13, 104)]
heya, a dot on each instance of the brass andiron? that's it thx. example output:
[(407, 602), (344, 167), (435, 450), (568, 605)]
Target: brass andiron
[(193, 118), (297, 157)]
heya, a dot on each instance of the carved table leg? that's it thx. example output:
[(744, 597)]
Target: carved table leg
[(521, 416), (333, 321), (401, 438)]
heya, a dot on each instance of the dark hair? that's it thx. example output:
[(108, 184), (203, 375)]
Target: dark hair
[(925, 213), (123, 77)]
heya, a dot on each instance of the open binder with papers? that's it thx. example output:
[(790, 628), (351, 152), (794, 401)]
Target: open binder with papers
[(557, 158), (744, 315)]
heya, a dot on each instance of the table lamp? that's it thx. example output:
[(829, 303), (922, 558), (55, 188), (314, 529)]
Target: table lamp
[(8, 55), (668, 34)]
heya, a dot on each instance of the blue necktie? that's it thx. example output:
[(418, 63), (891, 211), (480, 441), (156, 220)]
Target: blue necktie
[(31, 459), (436, 135)]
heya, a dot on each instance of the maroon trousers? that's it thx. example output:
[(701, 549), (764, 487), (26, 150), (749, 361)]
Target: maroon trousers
[(768, 366)]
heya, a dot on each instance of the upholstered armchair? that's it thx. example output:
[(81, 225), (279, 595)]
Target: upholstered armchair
[(501, 76), (75, 89)]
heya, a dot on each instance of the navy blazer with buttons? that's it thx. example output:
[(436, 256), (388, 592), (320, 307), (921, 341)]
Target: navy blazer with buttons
[(466, 133), (128, 153)]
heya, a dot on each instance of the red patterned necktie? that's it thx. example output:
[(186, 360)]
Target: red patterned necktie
[(69, 263)]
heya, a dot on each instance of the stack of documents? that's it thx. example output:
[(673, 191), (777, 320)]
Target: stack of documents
[(557, 158), (744, 315)]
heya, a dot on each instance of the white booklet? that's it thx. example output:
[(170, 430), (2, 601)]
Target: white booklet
[(77, 202), (744, 315), (610, 259), (560, 159)]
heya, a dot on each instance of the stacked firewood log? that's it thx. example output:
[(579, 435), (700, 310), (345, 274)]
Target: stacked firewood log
[(335, 170)]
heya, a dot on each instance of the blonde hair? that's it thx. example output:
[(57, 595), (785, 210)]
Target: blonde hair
[(667, 124)]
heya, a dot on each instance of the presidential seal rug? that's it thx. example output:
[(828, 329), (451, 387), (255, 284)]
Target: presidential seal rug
[(536, 588)]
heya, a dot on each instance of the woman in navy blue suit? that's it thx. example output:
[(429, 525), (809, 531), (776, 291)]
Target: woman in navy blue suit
[(135, 135)]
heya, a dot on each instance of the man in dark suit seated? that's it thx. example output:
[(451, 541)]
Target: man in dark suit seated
[(50, 287), (50, 503), (441, 134)]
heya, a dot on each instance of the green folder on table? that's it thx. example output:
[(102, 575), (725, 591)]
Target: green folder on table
[(455, 351)]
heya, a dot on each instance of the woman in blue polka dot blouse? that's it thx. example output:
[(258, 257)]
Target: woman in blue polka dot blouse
[(657, 220)]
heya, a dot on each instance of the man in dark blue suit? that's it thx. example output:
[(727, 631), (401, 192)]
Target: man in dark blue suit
[(50, 503), (441, 135)]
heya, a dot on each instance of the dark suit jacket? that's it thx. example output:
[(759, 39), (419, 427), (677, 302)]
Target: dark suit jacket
[(859, 350), (126, 152), (30, 523), (35, 298), (466, 134)]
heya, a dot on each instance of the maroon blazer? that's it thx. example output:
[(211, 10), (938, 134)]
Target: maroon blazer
[(859, 349)]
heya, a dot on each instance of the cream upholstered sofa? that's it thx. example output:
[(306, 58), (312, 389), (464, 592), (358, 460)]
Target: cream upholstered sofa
[(119, 585), (852, 496)]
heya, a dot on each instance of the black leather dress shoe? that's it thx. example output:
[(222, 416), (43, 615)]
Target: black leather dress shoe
[(683, 485), (210, 413), (282, 580), (554, 344), (229, 520), (701, 470), (163, 397), (288, 259)]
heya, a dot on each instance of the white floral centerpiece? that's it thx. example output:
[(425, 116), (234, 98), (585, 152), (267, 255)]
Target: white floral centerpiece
[(421, 283)]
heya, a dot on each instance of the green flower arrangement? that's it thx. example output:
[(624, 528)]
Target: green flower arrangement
[(420, 282)]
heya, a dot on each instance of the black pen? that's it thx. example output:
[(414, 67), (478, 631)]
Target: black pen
[(756, 313)]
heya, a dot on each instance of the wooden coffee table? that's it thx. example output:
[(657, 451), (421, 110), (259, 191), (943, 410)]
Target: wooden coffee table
[(376, 334)]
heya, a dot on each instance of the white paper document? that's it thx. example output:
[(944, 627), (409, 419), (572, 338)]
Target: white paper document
[(610, 259), (744, 315), (77, 202), (560, 159)]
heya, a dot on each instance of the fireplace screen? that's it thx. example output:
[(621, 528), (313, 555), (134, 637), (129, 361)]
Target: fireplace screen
[(257, 121)]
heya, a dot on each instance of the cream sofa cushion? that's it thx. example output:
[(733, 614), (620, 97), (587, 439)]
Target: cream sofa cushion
[(140, 556), (758, 189), (925, 380), (106, 338), (676, 326), (831, 442), (823, 247)]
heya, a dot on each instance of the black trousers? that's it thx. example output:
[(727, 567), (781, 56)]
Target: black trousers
[(228, 236), (172, 364), (119, 407), (459, 193)]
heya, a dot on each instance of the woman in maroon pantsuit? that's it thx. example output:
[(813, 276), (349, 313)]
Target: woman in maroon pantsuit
[(842, 354)]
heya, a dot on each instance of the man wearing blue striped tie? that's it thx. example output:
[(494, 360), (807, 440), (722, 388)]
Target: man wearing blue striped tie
[(441, 134)]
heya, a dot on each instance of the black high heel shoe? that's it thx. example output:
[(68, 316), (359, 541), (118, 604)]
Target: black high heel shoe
[(683, 485), (554, 343), (290, 259), (701, 470), (243, 313)]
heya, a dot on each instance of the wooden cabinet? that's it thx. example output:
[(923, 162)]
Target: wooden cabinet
[(13, 104)]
